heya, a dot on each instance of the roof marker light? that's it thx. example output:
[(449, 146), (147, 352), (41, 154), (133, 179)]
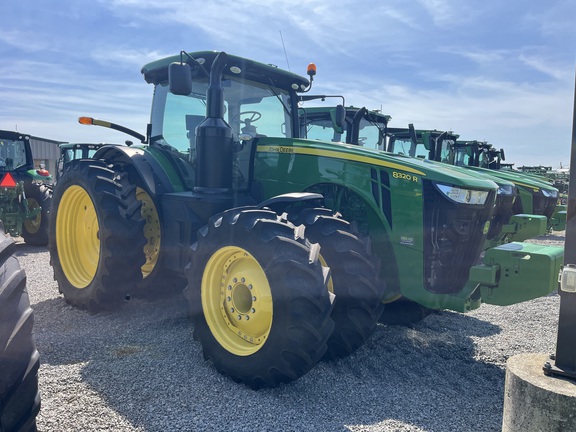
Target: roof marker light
[(86, 120)]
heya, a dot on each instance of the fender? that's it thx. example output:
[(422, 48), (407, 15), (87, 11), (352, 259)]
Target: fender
[(281, 203), (155, 178)]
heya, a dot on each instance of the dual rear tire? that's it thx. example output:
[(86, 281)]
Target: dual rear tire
[(258, 298)]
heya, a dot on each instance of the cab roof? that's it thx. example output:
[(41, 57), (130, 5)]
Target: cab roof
[(156, 72)]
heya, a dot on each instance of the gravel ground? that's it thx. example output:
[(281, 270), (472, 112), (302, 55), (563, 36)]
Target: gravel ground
[(139, 369)]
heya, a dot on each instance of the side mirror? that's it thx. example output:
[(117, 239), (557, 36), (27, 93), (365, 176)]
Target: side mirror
[(338, 117), (412, 133), (180, 78), (502, 155)]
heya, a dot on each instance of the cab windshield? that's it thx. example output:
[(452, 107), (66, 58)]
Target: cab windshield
[(253, 110), (12, 154), (250, 108), (445, 149), (461, 157), (371, 135)]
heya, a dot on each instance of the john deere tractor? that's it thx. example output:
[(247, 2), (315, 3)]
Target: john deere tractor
[(25, 191), (537, 196), (290, 247), (370, 129)]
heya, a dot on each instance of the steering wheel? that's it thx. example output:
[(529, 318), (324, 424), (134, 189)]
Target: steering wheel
[(254, 116)]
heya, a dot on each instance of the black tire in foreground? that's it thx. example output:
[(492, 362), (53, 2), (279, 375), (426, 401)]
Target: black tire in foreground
[(258, 298), (96, 236), (355, 281), (35, 230), (19, 359)]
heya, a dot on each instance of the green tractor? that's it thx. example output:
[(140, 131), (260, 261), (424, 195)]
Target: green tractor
[(369, 129), (537, 195), (290, 247), (25, 191)]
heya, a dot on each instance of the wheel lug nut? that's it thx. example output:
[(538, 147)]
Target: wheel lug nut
[(239, 317), (243, 280), (229, 287), (253, 310), (235, 280), (250, 286), (228, 298), (232, 310), (254, 298)]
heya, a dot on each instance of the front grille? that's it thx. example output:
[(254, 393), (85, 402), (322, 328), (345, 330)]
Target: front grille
[(544, 206), (453, 239), (502, 213)]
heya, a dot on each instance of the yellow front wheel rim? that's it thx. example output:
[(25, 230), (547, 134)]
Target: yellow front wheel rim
[(151, 231), (237, 300), (77, 237)]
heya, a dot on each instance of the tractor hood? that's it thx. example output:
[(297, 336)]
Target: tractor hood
[(425, 169), (519, 179)]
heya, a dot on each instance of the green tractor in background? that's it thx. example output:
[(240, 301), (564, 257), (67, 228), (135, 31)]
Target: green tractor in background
[(290, 247), (537, 195), (369, 129), (25, 191)]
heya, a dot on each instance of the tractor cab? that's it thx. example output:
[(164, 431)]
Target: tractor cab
[(25, 190), (255, 101)]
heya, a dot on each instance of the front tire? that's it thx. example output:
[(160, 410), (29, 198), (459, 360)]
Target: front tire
[(35, 230), (258, 298), (19, 359), (96, 236), (358, 289)]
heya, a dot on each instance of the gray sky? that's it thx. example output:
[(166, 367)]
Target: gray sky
[(501, 71)]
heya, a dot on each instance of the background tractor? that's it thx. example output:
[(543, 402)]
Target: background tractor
[(289, 247), (25, 191), (369, 129), (536, 197)]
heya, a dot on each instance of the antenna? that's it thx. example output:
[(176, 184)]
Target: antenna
[(284, 46)]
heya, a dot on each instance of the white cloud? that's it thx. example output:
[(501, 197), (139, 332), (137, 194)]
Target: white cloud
[(548, 66), (23, 40), (126, 57)]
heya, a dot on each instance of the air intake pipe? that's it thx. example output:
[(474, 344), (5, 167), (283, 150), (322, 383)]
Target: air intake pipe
[(214, 140)]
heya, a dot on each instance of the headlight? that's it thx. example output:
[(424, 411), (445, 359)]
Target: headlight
[(505, 189), (550, 193), (463, 196)]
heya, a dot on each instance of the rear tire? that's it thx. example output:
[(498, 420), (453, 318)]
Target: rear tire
[(156, 280), (19, 359), (35, 230), (258, 298), (358, 289), (96, 236)]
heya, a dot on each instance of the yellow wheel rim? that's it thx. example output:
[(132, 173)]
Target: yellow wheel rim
[(32, 225), (151, 231), (237, 301), (77, 237)]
